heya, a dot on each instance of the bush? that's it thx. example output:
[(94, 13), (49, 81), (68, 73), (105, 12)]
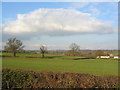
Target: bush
[(29, 79)]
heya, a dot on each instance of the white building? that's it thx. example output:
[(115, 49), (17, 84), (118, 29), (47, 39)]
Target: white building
[(116, 57), (107, 57), (103, 57)]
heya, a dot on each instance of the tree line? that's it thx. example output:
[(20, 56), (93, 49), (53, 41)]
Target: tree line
[(13, 45)]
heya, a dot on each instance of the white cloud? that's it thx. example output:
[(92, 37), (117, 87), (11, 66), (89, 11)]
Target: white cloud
[(95, 11), (1, 43), (76, 5), (38, 45), (55, 22)]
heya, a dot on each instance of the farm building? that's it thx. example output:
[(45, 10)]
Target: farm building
[(116, 57), (107, 57), (103, 57)]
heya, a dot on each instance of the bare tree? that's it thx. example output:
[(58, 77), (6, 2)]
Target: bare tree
[(14, 45), (43, 50), (74, 49)]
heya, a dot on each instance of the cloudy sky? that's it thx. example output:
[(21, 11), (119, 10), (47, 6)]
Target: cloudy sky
[(57, 25)]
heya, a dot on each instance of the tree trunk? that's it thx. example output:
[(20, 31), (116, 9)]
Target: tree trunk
[(14, 54), (43, 55)]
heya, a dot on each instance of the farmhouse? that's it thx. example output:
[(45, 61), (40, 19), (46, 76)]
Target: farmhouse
[(116, 57), (106, 57)]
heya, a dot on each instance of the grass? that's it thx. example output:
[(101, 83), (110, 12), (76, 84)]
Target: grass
[(90, 66), (39, 55)]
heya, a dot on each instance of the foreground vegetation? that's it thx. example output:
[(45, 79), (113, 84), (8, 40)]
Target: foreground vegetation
[(56, 71), (30, 79)]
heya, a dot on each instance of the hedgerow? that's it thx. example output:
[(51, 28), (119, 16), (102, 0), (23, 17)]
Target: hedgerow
[(30, 79)]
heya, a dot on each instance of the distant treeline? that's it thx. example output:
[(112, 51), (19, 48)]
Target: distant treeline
[(16, 46), (83, 53)]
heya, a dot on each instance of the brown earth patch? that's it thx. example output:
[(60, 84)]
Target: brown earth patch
[(82, 58)]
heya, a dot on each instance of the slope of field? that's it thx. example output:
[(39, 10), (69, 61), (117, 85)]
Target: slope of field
[(90, 66)]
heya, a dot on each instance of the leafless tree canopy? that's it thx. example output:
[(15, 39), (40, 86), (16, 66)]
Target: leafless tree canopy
[(74, 49), (43, 50), (14, 45)]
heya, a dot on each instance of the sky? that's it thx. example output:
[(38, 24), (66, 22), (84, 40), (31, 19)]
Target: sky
[(91, 25)]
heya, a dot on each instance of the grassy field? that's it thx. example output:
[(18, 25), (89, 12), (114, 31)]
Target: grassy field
[(61, 64), (39, 55)]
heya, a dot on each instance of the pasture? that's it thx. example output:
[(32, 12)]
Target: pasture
[(98, 67)]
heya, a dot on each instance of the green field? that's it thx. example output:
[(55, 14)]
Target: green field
[(39, 55), (61, 64)]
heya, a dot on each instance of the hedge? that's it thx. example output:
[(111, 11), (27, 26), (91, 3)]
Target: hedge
[(30, 79)]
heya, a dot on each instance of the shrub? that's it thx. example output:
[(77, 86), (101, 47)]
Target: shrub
[(29, 79)]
